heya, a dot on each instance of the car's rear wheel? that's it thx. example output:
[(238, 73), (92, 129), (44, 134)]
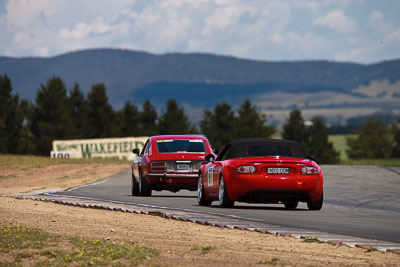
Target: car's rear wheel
[(201, 198), (316, 205), (223, 199), (291, 205), (144, 187), (134, 186)]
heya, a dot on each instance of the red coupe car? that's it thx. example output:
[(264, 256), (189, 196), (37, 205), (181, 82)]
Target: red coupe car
[(168, 162), (261, 171)]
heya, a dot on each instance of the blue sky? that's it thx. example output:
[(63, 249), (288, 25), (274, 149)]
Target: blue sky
[(365, 31)]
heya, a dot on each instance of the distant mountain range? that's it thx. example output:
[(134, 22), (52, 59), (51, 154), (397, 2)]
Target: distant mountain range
[(202, 80)]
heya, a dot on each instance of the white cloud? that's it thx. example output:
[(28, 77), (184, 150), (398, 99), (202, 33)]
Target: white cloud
[(394, 36), (384, 32), (277, 38), (24, 13), (238, 49), (349, 55), (83, 30), (312, 5), (336, 20), (320, 5), (221, 19), (377, 22), (308, 45), (272, 30), (376, 16)]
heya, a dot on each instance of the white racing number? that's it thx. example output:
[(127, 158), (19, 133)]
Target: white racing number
[(58, 154), (210, 176)]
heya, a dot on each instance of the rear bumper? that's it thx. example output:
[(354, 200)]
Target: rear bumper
[(275, 196), (172, 175), (172, 181), (274, 188)]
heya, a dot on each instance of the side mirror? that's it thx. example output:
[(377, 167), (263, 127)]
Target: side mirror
[(136, 151), (210, 157), (310, 158)]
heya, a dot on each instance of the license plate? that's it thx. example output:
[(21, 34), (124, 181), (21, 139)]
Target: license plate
[(182, 167), (278, 170)]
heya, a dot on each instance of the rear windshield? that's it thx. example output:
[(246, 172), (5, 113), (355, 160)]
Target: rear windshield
[(262, 149), (175, 146)]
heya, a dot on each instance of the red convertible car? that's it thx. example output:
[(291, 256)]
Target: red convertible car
[(168, 162), (261, 171)]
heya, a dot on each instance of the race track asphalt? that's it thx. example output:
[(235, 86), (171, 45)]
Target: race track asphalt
[(362, 201)]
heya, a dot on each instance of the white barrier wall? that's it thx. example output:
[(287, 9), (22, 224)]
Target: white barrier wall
[(107, 147)]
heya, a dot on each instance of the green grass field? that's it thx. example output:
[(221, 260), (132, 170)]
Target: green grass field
[(36, 161), (339, 143), (22, 246)]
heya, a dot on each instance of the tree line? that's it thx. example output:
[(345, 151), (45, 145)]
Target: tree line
[(58, 113), (313, 138), (373, 139)]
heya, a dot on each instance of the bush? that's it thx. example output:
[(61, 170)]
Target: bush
[(374, 140)]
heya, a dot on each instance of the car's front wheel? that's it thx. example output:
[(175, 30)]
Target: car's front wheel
[(144, 187), (201, 198), (223, 199), (134, 186), (316, 205)]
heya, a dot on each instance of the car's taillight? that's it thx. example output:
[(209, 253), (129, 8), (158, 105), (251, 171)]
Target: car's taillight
[(246, 169), (157, 166), (309, 170)]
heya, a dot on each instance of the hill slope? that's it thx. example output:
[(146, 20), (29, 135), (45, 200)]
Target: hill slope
[(199, 80), (125, 71)]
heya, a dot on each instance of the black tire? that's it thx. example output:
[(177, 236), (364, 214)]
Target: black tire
[(223, 199), (144, 187), (316, 205), (134, 186), (201, 198), (291, 205)]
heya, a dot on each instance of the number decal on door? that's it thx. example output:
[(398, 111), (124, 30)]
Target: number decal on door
[(210, 176)]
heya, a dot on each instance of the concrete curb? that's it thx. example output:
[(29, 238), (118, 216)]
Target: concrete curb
[(222, 222)]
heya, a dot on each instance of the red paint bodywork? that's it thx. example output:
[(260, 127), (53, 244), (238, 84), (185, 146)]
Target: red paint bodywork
[(167, 179), (261, 187)]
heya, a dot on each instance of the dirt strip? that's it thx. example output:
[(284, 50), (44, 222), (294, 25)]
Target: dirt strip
[(219, 221), (176, 240)]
